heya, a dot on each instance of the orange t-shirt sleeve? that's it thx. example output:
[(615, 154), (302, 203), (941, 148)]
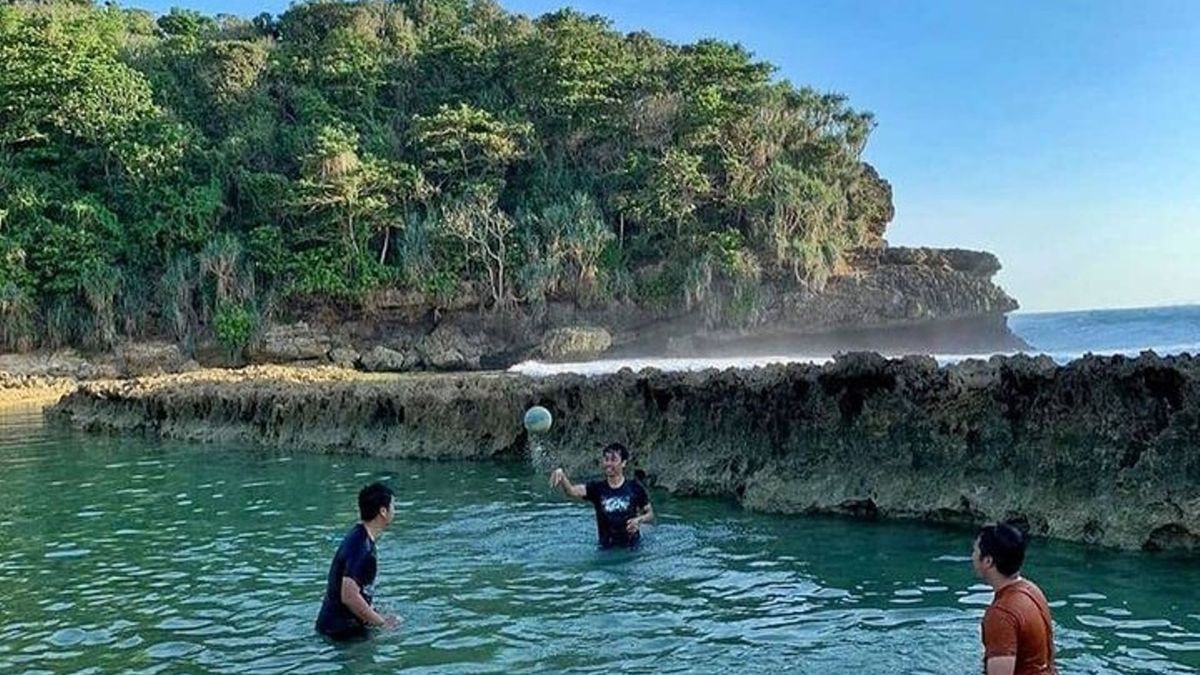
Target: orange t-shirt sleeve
[(999, 633)]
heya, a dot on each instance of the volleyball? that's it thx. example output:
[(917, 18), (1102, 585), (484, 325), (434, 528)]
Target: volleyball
[(537, 419)]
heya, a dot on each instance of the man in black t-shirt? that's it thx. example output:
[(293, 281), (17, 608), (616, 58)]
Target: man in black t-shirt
[(346, 611), (622, 506)]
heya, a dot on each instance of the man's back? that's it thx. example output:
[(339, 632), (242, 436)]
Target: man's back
[(1017, 623)]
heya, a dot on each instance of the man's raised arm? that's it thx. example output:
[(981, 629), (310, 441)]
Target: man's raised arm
[(559, 479)]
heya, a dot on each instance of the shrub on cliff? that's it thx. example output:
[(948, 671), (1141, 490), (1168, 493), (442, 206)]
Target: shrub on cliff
[(235, 325)]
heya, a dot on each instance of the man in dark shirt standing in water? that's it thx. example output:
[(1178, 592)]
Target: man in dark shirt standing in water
[(346, 611), (622, 506)]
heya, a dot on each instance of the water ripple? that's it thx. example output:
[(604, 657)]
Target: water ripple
[(170, 558)]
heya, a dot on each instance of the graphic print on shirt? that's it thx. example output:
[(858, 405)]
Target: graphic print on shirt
[(615, 504)]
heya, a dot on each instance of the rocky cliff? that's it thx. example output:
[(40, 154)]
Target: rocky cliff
[(889, 299), (895, 300), (1103, 450)]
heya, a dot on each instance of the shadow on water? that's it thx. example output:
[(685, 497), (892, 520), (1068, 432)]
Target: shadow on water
[(143, 556)]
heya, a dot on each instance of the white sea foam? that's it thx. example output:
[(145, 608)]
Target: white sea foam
[(1063, 336), (605, 366)]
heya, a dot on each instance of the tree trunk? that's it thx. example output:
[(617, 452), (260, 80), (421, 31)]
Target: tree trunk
[(350, 238), (387, 237)]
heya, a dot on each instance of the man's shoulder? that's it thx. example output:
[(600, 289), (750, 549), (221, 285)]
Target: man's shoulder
[(999, 610), (1022, 588), (1034, 594), (1018, 599), (356, 537), (593, 489), (1033, 588)]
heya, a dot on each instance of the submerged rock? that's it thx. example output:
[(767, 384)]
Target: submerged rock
[(1105, 450)]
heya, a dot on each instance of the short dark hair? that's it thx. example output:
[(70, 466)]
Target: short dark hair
[(617, 449), (1005, 545), (372, 499)]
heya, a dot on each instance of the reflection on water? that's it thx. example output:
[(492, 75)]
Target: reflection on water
[(130, 555)]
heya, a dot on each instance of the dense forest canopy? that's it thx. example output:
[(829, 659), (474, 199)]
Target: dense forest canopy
[(194, 176)]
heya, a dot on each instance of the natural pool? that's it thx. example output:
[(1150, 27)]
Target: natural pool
[(136, 555)]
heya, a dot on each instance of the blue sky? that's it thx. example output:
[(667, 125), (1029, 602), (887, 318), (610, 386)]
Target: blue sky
[(1063, 135)]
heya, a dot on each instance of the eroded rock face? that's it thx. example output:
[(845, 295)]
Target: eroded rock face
[(151, 358), (980, 264), (345, 357), (291, 342), (382, 359), (907, 286), (890, 299), (39, 389), (66, 363), (576, 342), (1103, 450), (449, 348)]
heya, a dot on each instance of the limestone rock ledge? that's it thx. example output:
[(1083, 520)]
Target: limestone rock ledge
[(1104, 450)]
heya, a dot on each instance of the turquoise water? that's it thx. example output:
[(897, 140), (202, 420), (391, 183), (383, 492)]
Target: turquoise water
[(132, 555)]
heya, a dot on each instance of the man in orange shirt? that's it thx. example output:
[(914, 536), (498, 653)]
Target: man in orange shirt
[(1018, 636)]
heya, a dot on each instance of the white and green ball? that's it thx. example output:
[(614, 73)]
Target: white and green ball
[(538, 419)]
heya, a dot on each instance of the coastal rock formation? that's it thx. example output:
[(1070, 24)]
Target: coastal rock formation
[(891, 299), (22, 389), (575, 342), (1105, 450), (291, 342), (899, 300), (344, 357), (63, 363), (894, 300), (151, 358), (449, 348), (382, 359)]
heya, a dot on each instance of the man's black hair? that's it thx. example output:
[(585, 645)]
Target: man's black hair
[(1006, 546), (372, 499), (617, 449)]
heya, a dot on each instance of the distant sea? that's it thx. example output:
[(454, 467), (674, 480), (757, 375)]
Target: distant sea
[(1063, 336), (1069, 335)]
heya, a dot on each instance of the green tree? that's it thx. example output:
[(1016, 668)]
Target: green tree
[(486, 234), (158, 171), (463, 146), (346, 199)]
